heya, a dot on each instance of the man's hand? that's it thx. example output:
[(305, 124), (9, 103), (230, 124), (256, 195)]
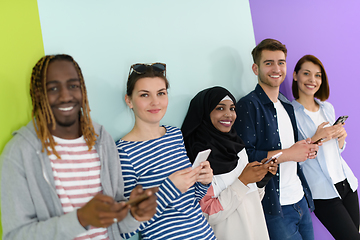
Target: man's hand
[(299, 151), (101, 211), (146, 209)]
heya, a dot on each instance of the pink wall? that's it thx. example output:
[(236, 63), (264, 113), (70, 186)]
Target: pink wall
[(329, 30)]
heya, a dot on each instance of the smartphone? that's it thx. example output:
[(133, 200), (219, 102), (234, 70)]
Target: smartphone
[(137, 200), (201, 157), (318, 141), (273, 157), (341, 119)]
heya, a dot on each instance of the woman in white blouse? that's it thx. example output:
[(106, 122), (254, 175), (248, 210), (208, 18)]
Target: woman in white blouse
[(332, 183)]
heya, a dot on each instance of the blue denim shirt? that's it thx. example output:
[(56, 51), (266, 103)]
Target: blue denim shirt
[(256, 124), (315, 170)]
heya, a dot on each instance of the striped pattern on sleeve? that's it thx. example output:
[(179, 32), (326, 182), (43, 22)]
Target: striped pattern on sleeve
[(149, 163)]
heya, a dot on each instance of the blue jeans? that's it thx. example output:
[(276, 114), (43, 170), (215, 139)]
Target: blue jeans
[(295, 224)]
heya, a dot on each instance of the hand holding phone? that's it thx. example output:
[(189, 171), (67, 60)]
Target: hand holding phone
[(341, 119), (273, 157), (201, 157)]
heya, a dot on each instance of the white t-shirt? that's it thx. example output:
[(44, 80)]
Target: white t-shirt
[(333, 161), (291, 190)]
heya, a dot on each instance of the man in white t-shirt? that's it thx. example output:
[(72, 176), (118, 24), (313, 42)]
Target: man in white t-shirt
[(61, 175), (267, 125)]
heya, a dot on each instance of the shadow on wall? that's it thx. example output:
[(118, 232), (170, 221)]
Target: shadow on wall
[(285, 87), (227, 67), (110, 110)]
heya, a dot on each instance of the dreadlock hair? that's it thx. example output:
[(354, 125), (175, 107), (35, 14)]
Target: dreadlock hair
[(42, 114)]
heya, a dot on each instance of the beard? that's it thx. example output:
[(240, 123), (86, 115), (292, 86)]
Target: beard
[(264, 80), (65, 123)]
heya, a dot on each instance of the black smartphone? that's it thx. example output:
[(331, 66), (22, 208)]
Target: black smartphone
[(318, 141), (341, 119), (139, 199)]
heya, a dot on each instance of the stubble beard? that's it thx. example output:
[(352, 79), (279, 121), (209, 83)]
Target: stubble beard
[(269, 83)]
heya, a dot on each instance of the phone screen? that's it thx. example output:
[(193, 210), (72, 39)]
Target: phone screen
[(341, 119)]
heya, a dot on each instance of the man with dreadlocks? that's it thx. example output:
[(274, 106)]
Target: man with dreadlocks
[(61, 177)]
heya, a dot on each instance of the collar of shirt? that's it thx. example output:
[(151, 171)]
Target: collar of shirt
[(264, 99), (298, 105)]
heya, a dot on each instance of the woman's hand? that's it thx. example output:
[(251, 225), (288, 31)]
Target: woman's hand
[(341, 134), (206, 173), (325, 133), (328, 133), (253, 172), (185, 178), (272, 165)]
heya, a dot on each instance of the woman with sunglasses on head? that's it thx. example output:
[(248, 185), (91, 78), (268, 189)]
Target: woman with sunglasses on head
[(232, 204), (153, 155), (332, 183)]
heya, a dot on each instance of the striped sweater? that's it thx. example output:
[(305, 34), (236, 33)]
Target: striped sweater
[(149, 163)]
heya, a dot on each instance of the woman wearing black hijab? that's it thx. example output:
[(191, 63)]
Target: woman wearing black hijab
[(232, 204)]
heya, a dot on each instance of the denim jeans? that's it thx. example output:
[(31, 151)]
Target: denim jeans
[(295, 224)]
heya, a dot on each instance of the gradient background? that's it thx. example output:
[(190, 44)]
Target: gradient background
[(203, 43)]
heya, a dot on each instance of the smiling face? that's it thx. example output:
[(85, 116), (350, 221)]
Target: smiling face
[(308, 79), (64, 95), (223, 116), (271, 71), (149, 100)]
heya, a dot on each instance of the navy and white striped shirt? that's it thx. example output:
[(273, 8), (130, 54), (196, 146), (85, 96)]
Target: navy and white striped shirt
[(149, 163)]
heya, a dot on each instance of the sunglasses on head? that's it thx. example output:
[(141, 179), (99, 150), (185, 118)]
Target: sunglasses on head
[(140, 68)]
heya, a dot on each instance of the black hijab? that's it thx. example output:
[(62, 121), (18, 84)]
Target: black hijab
[(200, 134)]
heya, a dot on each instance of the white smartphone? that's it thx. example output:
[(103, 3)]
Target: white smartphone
[(201, 157), (273, 157)]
